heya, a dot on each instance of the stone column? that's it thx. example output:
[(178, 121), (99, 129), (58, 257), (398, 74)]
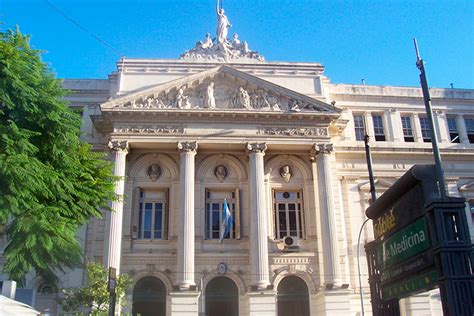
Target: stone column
[(187, 151), (369, 124), (417, 128), (461, 125), (394, 125), (258, 215), (322, 153), (441, 126), (120, 148)]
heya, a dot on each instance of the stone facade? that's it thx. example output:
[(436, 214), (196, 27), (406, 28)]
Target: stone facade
[(282, 145)]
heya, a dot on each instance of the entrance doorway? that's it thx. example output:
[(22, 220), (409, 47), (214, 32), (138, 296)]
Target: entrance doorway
[(149, 297), (292, 297), (222, 297)]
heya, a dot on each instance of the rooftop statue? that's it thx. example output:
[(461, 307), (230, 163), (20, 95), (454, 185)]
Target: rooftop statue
[(220, 48), (222, 25)]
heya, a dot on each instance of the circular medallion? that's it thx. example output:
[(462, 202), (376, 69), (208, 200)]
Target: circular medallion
[(222, 268)]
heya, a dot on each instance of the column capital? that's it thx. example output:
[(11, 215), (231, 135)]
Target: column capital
[(187, 147), (254, 148), (118, 145), (325, 148)]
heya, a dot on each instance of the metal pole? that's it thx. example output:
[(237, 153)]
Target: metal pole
[(429, 113), (368, 156), (361, 293), (111, 287), (112, 303)]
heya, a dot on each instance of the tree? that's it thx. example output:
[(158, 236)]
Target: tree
[(51, 182), (94, 297)]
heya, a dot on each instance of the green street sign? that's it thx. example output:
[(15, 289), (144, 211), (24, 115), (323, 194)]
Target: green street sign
[(411, 286), (406, 243)]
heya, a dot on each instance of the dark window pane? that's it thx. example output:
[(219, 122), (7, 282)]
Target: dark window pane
[(300, 232), (282, 219), (292, 221)]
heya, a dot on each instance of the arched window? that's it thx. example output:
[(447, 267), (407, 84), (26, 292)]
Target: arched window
[(222, 297), (149, 297), (292, 297)]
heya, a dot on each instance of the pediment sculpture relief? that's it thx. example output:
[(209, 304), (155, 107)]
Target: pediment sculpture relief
[(210, 96)]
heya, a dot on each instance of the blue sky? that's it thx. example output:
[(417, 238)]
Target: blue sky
[(352, 39)]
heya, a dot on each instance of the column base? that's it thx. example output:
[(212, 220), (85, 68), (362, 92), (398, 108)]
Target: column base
[(333, 302), (185, 303), (262, 303)]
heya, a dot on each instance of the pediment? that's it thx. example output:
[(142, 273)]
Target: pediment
[(219, 89)]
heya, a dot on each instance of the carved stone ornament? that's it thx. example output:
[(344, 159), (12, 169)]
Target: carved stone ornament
[(253, 148), (294, 131), (220, 172), (187, 146), (154, 172), (171, 129), (118, 145), (208, 96), (321, 149), (285, 173), (220, 48)]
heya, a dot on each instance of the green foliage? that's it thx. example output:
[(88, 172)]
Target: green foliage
[(51, 182), (93, 298)]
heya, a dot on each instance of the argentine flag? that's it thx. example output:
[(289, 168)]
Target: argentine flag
[(226, 223)]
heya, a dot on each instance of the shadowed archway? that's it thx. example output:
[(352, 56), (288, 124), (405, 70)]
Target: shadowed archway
[(292, 297), (149, 297), (222, 297)]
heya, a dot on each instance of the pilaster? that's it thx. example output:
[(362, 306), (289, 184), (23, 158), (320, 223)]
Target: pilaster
[(322, 153), (258, 215), (187, 151)]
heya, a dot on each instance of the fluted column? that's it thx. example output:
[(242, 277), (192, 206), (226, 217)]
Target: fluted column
[(321, 154), (120, 149), (187, 152), (258, 215)]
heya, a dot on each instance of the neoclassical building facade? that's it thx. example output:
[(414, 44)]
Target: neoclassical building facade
[(282, 148)]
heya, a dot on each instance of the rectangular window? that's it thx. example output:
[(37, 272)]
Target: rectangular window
[(152, 215), (453, 130), (407, 130), (214, 213), (379, 133), (359, 126), (470, 129), (288, 214), (425, 129)]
